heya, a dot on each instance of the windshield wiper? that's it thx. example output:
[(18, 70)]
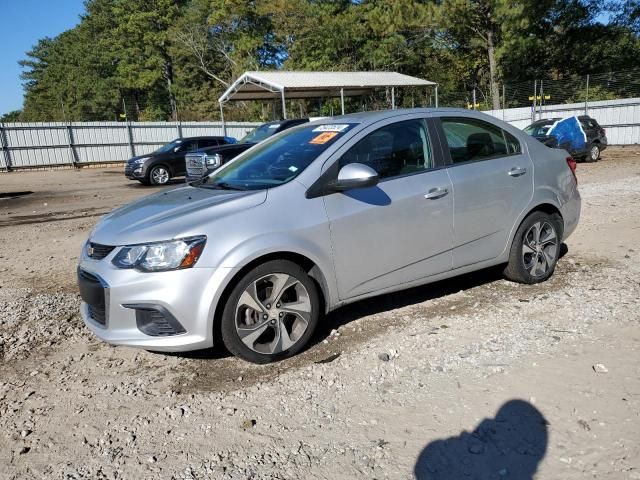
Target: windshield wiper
[(223, 186)]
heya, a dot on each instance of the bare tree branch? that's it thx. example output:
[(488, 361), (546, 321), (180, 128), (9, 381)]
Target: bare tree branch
[(200, 43)]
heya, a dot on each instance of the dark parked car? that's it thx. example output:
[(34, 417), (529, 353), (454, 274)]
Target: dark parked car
[(206, 160), (596, 137), (158, 167)]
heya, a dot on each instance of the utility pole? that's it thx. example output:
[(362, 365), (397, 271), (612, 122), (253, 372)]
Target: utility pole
[(535, 93), (586, 99)]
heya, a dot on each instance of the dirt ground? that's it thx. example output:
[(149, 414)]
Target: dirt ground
[(473, 377)]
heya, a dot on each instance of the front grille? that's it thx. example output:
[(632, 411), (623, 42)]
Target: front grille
[(195, 165), (92, 291), (98, 251), (128, 169)]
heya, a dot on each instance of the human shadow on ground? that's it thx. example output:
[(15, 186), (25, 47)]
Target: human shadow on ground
[(509, 446)]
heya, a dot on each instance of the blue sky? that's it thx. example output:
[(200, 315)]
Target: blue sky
[(22, 24)]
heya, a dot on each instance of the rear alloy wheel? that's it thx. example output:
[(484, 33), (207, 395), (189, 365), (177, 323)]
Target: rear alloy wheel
[(535, 249), (271, 313), (159, 175), (594, 153)]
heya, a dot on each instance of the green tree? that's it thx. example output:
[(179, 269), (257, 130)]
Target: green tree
[(13, 116)]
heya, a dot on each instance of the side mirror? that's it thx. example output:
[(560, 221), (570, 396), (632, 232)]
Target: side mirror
[(177, 149), (355, 175)]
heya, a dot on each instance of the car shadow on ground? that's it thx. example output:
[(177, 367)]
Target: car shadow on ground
[(383, 303), (511, 445), (412, 296)]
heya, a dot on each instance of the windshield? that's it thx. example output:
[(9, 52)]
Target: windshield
[(258, 134), (169, 146), (276, 161), (539, 129)]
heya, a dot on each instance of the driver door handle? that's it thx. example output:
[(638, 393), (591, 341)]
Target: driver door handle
[(517, 171), (436, 193)]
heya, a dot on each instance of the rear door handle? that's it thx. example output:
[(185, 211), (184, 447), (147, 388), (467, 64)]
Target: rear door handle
[(436, 193), (517, 171)]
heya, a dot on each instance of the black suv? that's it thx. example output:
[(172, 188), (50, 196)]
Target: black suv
[(206, 160), (158, 167), (596, 137)]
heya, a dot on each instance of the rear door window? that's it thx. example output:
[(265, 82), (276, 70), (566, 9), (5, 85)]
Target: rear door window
[(472, 140)]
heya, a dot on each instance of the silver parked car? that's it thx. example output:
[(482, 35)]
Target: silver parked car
[(322, 215)]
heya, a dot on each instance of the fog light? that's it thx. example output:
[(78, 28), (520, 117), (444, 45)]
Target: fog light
[(156, 321)]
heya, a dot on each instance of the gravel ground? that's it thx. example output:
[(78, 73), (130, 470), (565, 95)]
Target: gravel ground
[(474, 377)]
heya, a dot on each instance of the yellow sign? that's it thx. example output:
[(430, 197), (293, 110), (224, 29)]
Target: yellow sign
[(539, 97)]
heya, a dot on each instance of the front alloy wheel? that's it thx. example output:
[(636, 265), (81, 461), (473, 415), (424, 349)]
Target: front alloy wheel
[(594, 153), (271, 313), (159, 175)]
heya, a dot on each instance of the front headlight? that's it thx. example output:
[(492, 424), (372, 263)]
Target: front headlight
[(140, 161), (213, 160), (161, 256)]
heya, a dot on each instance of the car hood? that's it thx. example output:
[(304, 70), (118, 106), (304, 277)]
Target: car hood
[(182, 212), (133, 159)]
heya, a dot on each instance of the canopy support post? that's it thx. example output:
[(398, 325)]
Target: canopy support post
[(284, 105), (342, 99), (393, 98), (436, 95), (224, 125)]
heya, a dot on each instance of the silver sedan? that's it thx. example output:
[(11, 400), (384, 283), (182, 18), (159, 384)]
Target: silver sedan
[(320, 216)]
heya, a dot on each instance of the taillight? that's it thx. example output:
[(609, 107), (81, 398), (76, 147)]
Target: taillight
[(572, 166)]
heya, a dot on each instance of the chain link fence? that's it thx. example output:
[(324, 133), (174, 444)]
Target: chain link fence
[(545, 91)]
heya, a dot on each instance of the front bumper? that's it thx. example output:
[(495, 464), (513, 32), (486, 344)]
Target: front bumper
[(134, 172), (189, 296)]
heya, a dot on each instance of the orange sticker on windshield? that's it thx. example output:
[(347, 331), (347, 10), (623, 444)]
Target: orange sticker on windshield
[(323, 138)]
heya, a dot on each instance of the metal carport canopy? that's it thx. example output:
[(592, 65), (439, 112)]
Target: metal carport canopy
[(296, 84)]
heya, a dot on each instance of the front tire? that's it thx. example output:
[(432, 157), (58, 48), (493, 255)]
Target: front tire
[(159, 175), (535, 249), (271, 313)]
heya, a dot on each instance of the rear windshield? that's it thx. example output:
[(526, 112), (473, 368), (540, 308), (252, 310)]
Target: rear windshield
[(278, 160)]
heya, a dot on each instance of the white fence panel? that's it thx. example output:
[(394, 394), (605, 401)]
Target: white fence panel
[(620, 118), (50, 144)]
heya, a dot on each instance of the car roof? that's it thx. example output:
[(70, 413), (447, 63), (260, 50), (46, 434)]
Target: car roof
[(373, 116), (200, 137), (546, 120), (287, 121)]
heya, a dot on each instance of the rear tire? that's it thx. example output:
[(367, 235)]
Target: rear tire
[(594, 153), (535, 249), (271, 313)]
